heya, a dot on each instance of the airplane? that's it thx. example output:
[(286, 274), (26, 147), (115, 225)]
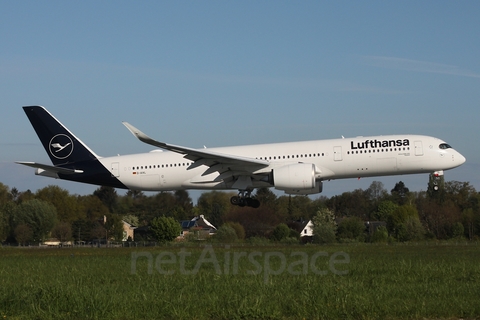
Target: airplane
[(298, 168)]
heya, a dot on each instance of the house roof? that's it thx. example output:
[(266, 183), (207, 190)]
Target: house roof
[(202, 222), (199, 221), (129, 224), (187, 224)]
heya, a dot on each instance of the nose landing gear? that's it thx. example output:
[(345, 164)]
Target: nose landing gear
[(436, 181)]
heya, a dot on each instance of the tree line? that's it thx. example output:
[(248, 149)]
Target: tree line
[(446, 210)]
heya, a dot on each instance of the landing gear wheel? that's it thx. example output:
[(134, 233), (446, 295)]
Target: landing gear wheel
[(243, 200), (235, 200), (254, 203)]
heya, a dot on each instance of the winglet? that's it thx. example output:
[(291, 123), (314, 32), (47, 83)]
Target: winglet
[(143, 137)]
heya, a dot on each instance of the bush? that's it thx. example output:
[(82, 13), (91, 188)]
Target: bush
[(290, 240), (294, 234), (458, 230), (226, 234), (351, 228), (239, 229), (380, 235), (324, 227), (411, 229), (280, 232), (258, 241), (324, 234), (165, 229)]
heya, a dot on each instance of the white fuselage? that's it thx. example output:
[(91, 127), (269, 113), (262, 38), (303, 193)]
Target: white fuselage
[(333, 159)]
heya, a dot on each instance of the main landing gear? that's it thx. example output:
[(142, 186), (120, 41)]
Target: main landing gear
[(244, 199)]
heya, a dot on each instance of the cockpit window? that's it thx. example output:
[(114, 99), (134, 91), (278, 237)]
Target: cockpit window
[(444, 146)]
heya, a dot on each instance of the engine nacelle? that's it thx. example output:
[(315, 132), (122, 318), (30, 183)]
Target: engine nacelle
[(298, 176), (318, 189)]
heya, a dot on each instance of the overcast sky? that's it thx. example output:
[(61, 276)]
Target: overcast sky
[(219, 73)]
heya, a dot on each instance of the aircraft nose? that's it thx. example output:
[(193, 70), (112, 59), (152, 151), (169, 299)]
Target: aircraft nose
[(460, 159)]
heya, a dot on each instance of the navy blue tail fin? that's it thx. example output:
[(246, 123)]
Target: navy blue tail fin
[(61, 145)]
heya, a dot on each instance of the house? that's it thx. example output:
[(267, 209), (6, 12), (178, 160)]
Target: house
[(54, 242), (128, 231), (306, 228), (199, 226), (303, 227)]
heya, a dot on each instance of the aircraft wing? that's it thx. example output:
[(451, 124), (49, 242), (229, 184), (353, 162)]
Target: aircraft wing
[(49, 168), (203, 156)]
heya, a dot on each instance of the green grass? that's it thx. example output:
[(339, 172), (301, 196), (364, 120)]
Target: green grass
[(383, 282)]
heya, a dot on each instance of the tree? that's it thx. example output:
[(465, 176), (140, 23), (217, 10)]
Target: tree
[(410, 230), (324, 226), (351, 228), (469, 220), (214, 205), (82, 230), (98, 232), (266, 197), (404, 224), (25, 196), (376, 192), (5, 195), (23, 234), (380, 235), (161, 204), (462, 194), (257, 222), (3, 224), (384, 210), (91, 207), (131, 219), (108, 196), (7, 221), (66, 205), (355, 203), (62, 231), (128, 203), (226, 234), (458, 230), (239, 229), (165, 229), (39, 215), (114, 227), (183, 200), (14, 194), (280, 232), (400, 193)]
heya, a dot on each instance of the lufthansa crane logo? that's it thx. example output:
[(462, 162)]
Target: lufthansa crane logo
[(61, 146)]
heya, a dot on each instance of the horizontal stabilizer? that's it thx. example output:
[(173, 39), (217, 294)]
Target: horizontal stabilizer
[(49, 168)]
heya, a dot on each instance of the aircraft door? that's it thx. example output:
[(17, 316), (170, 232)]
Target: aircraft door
[(418, 148), (114, 169), (337, 153)]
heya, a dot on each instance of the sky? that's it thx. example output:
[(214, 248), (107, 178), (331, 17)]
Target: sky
[(222, 73)]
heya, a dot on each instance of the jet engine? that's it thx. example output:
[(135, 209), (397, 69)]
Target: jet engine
[(298, 176)]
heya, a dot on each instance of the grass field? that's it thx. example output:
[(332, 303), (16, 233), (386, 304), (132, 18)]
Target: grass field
[(414, 281)]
